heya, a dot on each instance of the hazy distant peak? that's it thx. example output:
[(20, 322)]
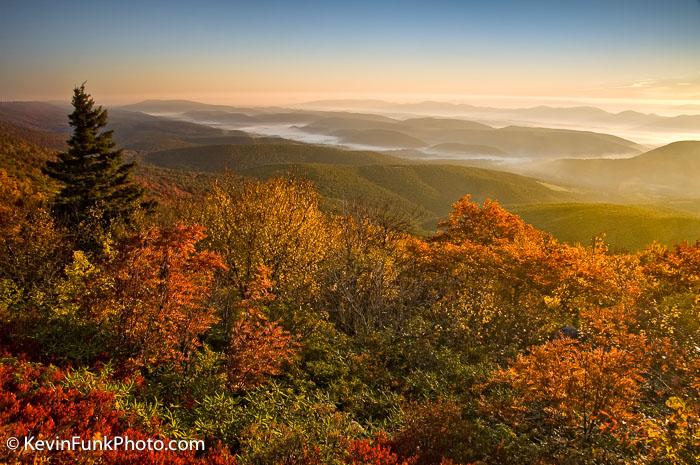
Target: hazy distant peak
[(688, 149), (172, 106), (444, 123)]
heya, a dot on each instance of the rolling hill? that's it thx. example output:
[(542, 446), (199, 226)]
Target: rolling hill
[(24, 151), (132, 130), (452, 148), (35, 115), (196, 153), (424, 193), (513, 140), (675, 123), (442, 124), (428, 189), (385, 132), (672, 170), (541, 114), (216, 158), (378, 138), (175, 106), (220, 116), (625, 227)]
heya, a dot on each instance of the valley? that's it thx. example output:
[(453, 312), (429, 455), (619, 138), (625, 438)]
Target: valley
[(574, 184)]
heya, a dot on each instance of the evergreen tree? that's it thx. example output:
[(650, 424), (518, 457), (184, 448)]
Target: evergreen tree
[(96, 182)]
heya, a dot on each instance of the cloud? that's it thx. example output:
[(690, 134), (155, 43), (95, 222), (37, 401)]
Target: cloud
[(685, 87)]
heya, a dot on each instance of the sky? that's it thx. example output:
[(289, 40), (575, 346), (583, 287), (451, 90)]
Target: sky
[(276, 52)]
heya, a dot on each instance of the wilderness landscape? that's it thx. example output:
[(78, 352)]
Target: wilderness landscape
[(508, 274)]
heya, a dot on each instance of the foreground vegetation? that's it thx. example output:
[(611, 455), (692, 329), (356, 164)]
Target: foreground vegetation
[(283, 334)]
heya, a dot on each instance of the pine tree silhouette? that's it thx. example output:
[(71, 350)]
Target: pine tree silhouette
[(96, 185)]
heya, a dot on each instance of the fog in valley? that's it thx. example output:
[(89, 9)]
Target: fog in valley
[(646, 130)]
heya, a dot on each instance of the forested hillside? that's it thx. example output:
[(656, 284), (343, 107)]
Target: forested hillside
[(178, 159), (625, 227), (422, 193), (672, 169), (243, 314)]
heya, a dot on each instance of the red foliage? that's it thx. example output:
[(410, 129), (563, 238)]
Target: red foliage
[(33, 403), (374, 452), (431, 431)]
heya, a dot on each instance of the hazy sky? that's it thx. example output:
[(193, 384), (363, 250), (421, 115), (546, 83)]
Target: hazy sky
[(283, 52)]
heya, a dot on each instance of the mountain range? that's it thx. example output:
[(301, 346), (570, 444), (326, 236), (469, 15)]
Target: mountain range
[(383, 132), (538, 114)]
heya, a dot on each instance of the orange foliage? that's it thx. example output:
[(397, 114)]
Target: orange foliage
[(484, 225), (158, 300), (432, 431), (258, 348), (578, 386), (27, 236)]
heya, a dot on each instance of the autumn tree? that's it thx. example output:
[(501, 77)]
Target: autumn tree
[(258, 348), (674, 438), (483, 224), (485, 278), (32, 254), (28, 239), (275, 223), (586, 388), (360, 287), (147, 302), (432, 431), (161, 284), (580, 390), (670, 303)]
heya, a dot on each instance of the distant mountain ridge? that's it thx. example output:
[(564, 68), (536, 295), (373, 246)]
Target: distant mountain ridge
[(514, 140), (133, 130), (540, 113), (380, 131), (217, 158), (457, 148), (35, 115)]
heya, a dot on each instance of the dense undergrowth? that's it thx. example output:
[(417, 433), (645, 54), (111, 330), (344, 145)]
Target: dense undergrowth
[(280, 334)]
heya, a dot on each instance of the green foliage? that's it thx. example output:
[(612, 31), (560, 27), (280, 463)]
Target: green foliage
[(217, 158), (625, 227), (23, 152), (423, 193), (286, 422)]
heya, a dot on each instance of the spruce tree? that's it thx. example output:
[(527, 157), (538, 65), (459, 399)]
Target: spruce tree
[(96, 185)]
